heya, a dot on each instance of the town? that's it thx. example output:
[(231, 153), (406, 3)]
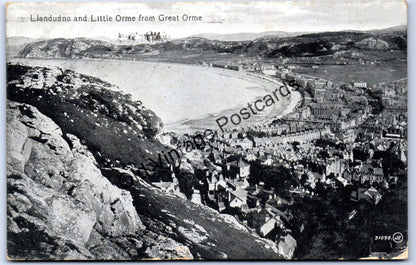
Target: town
[(347, 140)]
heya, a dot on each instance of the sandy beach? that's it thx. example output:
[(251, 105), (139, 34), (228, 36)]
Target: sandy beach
[(185, 97)]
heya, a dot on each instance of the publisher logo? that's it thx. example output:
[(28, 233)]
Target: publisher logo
[(397, 237)]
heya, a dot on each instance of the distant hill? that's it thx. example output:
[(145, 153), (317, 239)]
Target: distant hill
[(267, 44), (400, 28), (16, 44), (246, 36), (81, 48), (249, 36)]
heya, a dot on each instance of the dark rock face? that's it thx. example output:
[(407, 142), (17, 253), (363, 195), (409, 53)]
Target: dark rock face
[(59, 204), (115, 128)]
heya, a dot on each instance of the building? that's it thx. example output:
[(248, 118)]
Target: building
[(196, 197), (359, 84), (244, 143), (237, 198), (168, 186), (238, 169)]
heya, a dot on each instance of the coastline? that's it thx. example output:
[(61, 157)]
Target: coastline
[(260, 86)]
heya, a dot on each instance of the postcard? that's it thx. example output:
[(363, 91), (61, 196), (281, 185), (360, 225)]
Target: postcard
[(207, 130)]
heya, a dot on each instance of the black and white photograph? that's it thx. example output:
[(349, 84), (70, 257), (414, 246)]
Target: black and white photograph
[(211, 131)]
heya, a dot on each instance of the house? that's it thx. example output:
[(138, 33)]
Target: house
[(241, 183), (371, 174), (212, 182), (331, 182), (168, 186), (221, 183), (299, 170), (335, 166), (244, 143), (314, 177), (298, 190), (221, 206), (358, 195), (371, 195), (196, 197), (234, 135), (268, 161), (237, 198), (238, 168), (251, 156), (269, 225), (359, 85), (277, 201), (260, 219)]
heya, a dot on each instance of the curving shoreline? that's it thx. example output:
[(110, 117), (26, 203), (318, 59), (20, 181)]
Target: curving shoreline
[(181, 95)]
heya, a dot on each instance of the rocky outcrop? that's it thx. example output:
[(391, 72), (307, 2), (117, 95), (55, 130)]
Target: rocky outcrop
[(117, 129), (287, 246), (59, 204), (372, 43), (80, 48)]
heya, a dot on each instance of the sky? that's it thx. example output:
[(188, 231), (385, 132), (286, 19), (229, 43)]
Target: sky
[(217, 17)]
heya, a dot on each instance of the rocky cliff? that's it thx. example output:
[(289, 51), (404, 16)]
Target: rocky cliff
[(70, 138), (60, 206)]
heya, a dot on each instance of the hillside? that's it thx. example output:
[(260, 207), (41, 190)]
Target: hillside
[(69, 138), (59, 204), (271, 45), (16, 44), (246, 36), (115, 128), (329, 43), (80, 48)]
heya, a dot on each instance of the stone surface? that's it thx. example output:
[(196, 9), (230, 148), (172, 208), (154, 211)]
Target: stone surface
[(59, 204)]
